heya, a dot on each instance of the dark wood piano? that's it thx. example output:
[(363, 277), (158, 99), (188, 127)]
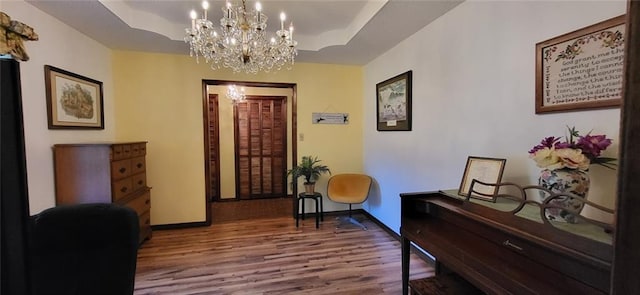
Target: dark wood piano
[(506, 246)]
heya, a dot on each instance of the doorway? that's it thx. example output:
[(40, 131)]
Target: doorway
[(245, 179)]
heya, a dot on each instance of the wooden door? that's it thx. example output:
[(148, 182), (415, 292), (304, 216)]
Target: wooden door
[(261, 141), (212, 148)]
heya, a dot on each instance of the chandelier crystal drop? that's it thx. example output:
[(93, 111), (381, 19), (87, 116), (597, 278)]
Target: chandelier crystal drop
[(241, 42), (235, 94)]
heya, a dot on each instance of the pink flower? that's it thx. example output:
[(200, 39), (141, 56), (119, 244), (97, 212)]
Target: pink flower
[(547, 142), (593, 145)]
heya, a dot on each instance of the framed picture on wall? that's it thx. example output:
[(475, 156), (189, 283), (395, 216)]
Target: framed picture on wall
[(73, 101), (487, 170), (393, 107), (582, 69)]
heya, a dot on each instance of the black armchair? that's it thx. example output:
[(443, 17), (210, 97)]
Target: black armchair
[(83, 249)]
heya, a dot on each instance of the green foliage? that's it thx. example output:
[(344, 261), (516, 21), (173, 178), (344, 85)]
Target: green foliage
[(309, 168)]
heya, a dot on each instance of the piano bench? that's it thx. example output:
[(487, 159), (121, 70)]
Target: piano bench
[(445, 284)]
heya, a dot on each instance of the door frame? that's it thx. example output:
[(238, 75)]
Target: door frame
[(294, 128)]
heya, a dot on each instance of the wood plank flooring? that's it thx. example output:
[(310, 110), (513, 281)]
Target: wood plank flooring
[(251, 209), (272, 256)]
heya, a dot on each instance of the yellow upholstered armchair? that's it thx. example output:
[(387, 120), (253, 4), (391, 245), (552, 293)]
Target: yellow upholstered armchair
[(349, 188)]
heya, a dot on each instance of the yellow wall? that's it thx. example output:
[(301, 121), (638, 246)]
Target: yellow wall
[(158, 98)]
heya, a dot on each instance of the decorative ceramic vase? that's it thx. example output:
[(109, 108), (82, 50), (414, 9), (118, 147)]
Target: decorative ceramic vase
[(571, 181)]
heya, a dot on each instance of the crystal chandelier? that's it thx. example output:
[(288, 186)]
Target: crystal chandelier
[(235, 94), (241, 42)]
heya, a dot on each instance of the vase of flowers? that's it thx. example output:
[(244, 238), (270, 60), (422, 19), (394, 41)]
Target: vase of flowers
[(565, 165), (565, 180)]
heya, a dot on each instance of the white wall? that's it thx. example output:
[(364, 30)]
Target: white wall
[(62, 47), (473, 95)]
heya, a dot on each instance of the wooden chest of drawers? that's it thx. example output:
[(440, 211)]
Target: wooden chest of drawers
[(104, 173)]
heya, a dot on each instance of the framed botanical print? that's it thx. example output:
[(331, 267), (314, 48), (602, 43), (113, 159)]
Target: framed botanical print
[(73, 101)]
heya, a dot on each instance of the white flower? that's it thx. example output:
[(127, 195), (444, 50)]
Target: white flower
[(573, 158), (547, 158)]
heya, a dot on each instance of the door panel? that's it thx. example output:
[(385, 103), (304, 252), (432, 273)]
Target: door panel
[(261, 147), (212, 167)]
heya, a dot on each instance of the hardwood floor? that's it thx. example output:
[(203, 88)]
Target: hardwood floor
[(250, 209), (272, 256)]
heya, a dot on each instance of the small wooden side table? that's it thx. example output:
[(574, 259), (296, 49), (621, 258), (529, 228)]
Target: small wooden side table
[(317, 197)]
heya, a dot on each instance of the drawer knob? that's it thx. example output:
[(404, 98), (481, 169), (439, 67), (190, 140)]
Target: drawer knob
[(124, 189), (139, 165), (140, 182), (122, 170), (147, 201), (512, 245)]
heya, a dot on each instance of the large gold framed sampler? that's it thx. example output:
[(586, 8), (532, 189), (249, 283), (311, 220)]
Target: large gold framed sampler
[(582, 69)]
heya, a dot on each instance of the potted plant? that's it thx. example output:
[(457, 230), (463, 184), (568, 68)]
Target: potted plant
[(310, 168)]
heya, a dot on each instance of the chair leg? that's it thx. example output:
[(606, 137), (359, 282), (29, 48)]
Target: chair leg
[(351, 220), (356, 222), (317, 214), (321, 209), (297, 212)]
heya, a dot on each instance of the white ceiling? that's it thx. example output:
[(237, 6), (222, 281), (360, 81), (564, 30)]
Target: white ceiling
[(327, 31)]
